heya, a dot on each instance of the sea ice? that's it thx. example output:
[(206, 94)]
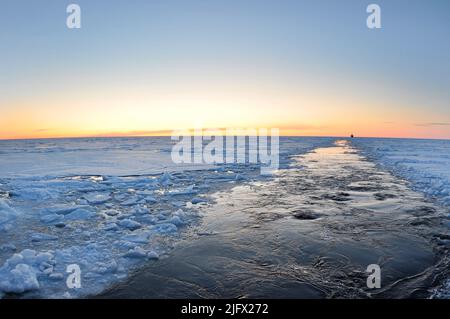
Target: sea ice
[(67, 180), (425, 163), (20, 272), (165, 228), (62, 209), (129, 224), (152, 255), (185, 191), (131, 201), (8, 248), (112, 212), (111, 227), (106, 267), (136, 252), (165, 179), (51, 218), (140, 238), (150, 200), (18, 280), (80, 214), (42, 237), (140, 210), (197, 200), (7, 215), (176, 220), (35, 194), (97, 198)]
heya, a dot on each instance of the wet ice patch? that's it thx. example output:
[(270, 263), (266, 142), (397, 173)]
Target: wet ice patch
[(338, 197), (384, 196), (306, 215)]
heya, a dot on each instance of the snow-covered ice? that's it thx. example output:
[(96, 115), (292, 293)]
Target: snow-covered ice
[(20, 272), (425, 163)]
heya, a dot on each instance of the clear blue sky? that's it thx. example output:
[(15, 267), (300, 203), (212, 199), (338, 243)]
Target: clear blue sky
[(307, 59)]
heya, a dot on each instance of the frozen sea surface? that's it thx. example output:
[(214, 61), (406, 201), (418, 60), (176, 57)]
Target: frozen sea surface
[(424, 163), (107, 205), (114, 205), (87, 156), (308, 232)]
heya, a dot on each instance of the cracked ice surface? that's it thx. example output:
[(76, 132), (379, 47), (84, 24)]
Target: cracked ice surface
[(89, 226), (107, 205)]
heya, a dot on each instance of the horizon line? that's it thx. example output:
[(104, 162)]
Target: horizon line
[(144, 136)]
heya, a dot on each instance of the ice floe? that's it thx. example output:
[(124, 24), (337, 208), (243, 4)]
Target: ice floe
[(42, 237), (79, 214), (7, 215), (97, 198), (20, 272), (136, 252), (129, 224)]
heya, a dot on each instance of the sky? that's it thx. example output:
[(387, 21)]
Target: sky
[(148, 67)]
